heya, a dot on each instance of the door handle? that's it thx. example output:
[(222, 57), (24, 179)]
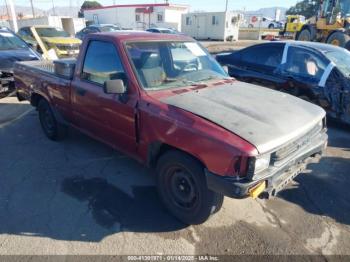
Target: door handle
[(80, 91)]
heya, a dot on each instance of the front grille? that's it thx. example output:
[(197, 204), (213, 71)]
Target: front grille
[(71, 47), (294, 146)]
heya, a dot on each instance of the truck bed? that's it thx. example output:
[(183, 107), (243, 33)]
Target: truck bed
[(41, 65), (40, 77)]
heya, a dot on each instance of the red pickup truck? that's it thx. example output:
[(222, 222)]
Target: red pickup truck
[(163, 100)]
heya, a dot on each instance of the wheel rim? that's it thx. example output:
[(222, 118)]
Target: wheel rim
[(182, 189), (335, 42), (48, 121), (304, 37)]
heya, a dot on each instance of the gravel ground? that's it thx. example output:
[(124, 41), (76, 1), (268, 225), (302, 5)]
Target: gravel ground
[(220, 46)]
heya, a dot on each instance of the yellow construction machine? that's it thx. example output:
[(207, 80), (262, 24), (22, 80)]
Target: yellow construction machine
[(293, 25), (331, 24)]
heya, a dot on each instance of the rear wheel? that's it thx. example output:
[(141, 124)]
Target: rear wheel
[(271, 26), (304, 35), (51, 127), (338, 39), (183, 189)]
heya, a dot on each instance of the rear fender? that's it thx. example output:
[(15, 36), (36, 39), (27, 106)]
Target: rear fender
[(34, 101)]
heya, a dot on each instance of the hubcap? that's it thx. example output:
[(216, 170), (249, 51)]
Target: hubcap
[(335, 42)]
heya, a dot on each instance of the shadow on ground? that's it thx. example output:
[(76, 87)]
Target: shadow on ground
[(74, 190), (109, 205), (324, 191)]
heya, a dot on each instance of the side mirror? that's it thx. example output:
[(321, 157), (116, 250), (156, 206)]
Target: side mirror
[(114, 87)]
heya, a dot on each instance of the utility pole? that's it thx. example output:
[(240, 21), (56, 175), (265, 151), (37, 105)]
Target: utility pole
[(13, 15), (53, 8), (31, 4), (7, 9), (226, 5)]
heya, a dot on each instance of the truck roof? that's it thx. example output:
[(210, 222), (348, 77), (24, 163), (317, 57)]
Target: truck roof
[(143, 35)]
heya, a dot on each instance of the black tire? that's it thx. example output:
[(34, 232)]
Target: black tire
[(183, 189), (338, 39), (347, 46), (271, 26), (51, 127), (304, 35), (250, 26)]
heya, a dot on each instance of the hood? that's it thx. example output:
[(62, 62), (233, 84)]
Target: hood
[(9, 57), (265, 118), (61, 40)]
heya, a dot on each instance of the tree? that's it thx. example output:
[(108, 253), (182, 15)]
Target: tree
[(87, 5), (306, 8)]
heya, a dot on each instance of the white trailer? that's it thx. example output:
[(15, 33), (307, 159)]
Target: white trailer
[(212, 25), (138, 16)]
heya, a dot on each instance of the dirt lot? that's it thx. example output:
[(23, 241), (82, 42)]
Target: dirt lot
[(80, 197), (219, 46)]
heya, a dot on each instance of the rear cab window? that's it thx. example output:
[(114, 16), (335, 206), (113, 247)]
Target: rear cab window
[(102, 62)]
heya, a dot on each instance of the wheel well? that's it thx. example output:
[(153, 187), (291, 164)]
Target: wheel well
[(333, 32), (35, 98), (157, 149)]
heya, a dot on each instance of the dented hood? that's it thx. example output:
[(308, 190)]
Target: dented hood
[(264, 117)]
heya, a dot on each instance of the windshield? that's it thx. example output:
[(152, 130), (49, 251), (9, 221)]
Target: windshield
[(341, 58), (51, 32), (161, 65), (110, 28), (10, 41)]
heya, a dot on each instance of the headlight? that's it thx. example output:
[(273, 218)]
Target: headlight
[(261, 163)]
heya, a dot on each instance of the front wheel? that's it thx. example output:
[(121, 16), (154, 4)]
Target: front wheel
[(304, 35), (183, 189)]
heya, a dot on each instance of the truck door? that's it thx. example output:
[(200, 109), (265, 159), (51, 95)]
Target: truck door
[(107, 117)]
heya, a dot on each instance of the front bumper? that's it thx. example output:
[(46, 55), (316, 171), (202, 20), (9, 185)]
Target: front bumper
[(7, 83), (67, 53), (276, 180)]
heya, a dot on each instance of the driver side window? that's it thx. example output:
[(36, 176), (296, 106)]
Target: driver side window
[(102, 63)]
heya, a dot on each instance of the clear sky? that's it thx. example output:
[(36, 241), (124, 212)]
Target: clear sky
[(206, 5)]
